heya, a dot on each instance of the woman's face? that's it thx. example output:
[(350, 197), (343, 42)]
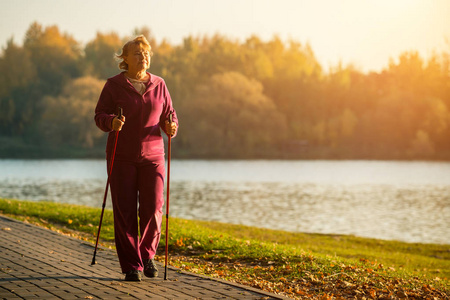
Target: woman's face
[(138, 58)]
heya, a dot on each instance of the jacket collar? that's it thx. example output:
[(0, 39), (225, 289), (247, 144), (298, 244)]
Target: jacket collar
[(122, 80)]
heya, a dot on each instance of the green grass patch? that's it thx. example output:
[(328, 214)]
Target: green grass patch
[(297, 265)]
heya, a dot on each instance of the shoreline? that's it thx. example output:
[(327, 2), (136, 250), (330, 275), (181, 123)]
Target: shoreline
[(303, 264)]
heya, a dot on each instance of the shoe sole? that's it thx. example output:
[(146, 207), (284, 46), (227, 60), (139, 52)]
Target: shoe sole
[(151, 275), (133, 279)]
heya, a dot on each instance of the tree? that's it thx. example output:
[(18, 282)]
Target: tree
[(234, 99), (56, 57), (100, 55), (421, 145), (68, 118), (295, 86), (231, 115), (17, 68), (256, 62), (161, 60), (183, 68), (16, 76)]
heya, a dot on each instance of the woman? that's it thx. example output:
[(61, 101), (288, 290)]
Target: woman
[(137, 179)]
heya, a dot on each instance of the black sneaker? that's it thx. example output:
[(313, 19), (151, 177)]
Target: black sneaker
[(133, 275), (150, 269)]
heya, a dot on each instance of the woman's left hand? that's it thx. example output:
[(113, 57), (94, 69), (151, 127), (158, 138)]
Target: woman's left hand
[(171, 128)]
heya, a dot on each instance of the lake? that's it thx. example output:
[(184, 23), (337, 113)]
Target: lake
[(391, 200)]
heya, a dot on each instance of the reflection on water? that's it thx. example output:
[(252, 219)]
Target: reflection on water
[(414, 214), (84, 192), (386, 200)]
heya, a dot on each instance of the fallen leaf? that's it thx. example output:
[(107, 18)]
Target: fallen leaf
[(300, 292), (348, 283)]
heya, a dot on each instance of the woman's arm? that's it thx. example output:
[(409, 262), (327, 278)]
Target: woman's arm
[(104, 111), (168, 109)]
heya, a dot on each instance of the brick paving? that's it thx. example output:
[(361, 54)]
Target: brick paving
[(38, 263)]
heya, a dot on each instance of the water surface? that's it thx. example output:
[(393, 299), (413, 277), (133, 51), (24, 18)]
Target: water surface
[(407, 201)]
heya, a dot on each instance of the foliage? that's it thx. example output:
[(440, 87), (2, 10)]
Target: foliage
[(40, 68), (231, 94), (250, 99), (100, 54), (67, 118), (55, 56), (297, 265)]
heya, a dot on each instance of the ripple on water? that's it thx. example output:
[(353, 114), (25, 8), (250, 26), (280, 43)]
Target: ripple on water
[(412, 213)]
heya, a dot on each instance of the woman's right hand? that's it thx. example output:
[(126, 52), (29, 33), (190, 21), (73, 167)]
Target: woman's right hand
[(118, 123)]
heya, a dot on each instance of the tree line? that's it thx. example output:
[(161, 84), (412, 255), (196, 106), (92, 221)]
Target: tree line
[(235, 99)]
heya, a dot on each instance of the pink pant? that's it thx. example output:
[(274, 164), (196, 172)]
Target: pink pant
[(137, 190)]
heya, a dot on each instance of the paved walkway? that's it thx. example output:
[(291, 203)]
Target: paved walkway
[(39, 263)]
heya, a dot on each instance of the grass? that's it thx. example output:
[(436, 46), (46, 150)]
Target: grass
[(297, 265)]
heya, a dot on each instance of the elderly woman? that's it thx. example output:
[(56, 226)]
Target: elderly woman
[(137, 179)]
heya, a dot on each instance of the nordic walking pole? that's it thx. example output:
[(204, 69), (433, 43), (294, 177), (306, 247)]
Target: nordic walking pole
[(106, 190), (167, 200)]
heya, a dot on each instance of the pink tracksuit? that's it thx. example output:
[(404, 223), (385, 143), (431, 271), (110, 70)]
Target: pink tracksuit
[(137, 179)]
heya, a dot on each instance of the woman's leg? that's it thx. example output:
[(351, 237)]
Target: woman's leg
[(124, 194), (151, 201)]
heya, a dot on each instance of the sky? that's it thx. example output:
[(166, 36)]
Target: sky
[(364, 33)]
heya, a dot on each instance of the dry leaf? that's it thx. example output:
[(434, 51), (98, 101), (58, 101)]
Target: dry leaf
[(348, 283)]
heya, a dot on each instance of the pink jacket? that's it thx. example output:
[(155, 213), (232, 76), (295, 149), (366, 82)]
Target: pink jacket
[(140, 137)]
